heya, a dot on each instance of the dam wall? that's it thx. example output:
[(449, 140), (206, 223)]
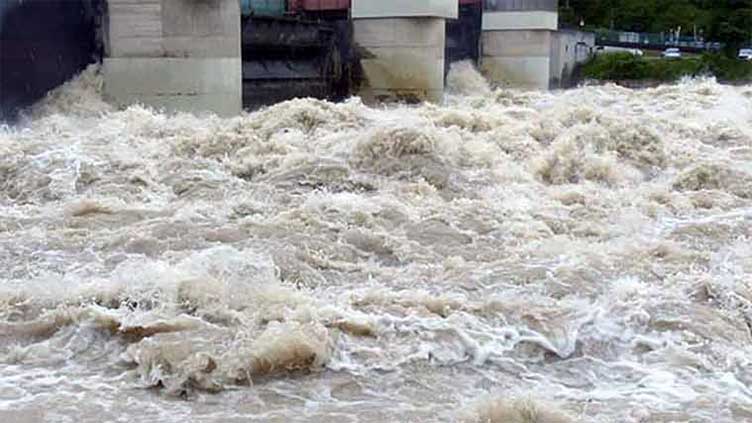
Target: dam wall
[(519, 58), (523, 47), (569, 50), (176, 55), (208, 56), (517, 42), (402, 48)]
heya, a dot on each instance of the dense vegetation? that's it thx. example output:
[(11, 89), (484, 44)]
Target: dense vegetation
[(727, 21), (625, 66)]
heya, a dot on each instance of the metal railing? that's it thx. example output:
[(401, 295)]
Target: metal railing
[(606, 37)]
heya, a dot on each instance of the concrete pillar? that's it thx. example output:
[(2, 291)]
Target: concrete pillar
[(516, 42), (569, 50), (402, 45), (180, 55)]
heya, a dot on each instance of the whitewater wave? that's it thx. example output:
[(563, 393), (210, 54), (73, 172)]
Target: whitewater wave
[(503, 256)]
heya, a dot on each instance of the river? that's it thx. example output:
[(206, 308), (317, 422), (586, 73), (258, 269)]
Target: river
[(505, 256)]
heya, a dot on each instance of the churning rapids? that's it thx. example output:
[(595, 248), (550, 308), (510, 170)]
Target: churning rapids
[(507, 256)]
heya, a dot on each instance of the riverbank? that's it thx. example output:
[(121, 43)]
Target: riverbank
[(644, 72)]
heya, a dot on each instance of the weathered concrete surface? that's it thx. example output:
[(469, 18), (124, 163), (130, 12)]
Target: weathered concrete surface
[(538, 19), (522, 47), (180, 55), (568, 50), (402, 58), (534, 59), (518, 72), (448, 9), (176, 84), (518, 5), (516, 43), (517, 58)]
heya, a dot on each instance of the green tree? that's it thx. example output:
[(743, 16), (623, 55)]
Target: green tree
[(732, 24), (727, 21)]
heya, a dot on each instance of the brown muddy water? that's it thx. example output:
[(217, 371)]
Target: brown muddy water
[(575, 256)]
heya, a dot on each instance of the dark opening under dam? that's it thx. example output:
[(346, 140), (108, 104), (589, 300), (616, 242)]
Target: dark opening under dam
[(43, 43)]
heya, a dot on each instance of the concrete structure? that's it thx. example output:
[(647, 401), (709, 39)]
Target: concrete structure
[(180, 55), (518, 21), (517, 58), (363, 9), (516, 42), (523, 47), (568, 50), (401, 44)]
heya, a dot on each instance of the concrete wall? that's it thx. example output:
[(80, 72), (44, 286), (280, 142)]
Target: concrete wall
[(517, 58), (517, 37), (518, 5), (568, 50), (402, 47), (515, 20), (180, 55), (405, 9), (522, 46), (402, 59)]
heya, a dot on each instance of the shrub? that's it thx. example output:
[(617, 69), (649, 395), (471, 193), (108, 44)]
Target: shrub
[(625, 66)]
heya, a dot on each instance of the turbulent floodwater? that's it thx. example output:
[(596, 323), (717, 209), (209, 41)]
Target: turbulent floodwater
[(578, 256)]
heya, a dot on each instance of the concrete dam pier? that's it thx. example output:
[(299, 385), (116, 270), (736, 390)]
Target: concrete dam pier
[(523, 47), (174, 54), (223, 56), (402, 45)]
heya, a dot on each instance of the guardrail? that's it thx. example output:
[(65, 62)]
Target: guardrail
[(651, 40)]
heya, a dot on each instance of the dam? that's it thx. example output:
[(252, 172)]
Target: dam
[(497, 255), (223, 56)]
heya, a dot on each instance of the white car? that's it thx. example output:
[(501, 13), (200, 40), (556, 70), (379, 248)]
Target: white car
[(608, 49), (745, 54), (672, 53)]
